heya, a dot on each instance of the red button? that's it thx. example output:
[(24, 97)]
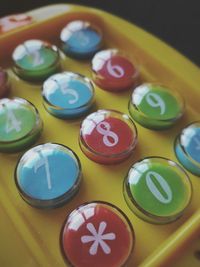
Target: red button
[(97, 234), (108, 136), (113, 71), (14, 21), (4, 83)]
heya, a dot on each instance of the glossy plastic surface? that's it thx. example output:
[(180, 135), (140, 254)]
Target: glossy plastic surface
[(31, 236)]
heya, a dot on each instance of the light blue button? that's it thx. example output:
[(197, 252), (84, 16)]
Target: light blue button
[(68, 95), (80, 39), (187, 148), (48, 175)]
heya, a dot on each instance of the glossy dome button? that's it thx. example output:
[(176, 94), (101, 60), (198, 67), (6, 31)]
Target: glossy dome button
[(14, 21), (4, 83), (97, 234), (107, 136), (68, 95), (35, 60), (20, 124), (114, 71), (154, 106), (187, 148), (48, 175), (81, 39), (158, 190)]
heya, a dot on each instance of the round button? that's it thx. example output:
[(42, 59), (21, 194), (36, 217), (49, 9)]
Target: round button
[(68, 95), (108, 136), (187, 147), (48, 175), (157, 190), (4, 83), (14, 21), (113, 71), (81, 39), (155, 107), (20, 124), (35, 60), (97, 234)]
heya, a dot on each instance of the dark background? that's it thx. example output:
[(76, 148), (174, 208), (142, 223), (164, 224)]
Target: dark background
[(177, 22)]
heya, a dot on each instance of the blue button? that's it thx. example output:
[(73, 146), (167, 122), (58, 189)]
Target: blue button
[(81, 39), (187, 148), (48, 175), (68, 95)]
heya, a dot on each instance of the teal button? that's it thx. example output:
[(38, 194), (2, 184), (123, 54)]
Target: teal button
[(156, 107), (187, 148), (35, 60), (48, 175), (20, 124), (68, 95), (158, 190)]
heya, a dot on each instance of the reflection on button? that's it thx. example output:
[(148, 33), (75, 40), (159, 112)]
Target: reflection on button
[(187, 148), (48, 175), (113, 71), (68, 95), (107, 136), (35, 60), (81, 39), (157, 190), (97, 234), (20, 124), (154, 106)]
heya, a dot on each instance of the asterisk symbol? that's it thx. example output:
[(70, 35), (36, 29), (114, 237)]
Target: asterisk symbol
[(98, 238)]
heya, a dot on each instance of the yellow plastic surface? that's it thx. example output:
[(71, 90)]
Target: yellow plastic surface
[(30, 237)]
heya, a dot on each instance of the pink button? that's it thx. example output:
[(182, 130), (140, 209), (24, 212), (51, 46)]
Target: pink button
[(113, 71), (4, 83), (97, 234), (108, 136), (14, 21)]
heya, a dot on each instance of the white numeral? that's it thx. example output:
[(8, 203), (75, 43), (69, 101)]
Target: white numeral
[(12, 122), (104, 129), (83, 39), (44, 162), (37, 59), (115, 70), (156, 101), (155, 191), (65, 90)]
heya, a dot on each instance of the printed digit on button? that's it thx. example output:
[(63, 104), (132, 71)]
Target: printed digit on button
[(154, 106), (187, 147), (48, 175), (114, 71), (157, 190), (107, 136), (81, 39), (35, 60), (20, 124), (68, 95), (97, 234)]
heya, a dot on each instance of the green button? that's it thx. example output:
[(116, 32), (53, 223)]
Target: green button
[(35, 60), (157, 190), (155, 106), (20, 124)]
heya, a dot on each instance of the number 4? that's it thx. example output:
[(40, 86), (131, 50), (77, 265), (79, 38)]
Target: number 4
[(12, 122)]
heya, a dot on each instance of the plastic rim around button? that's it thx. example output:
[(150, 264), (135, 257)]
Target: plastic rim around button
[(154, 106), (68, 95), (14, 21), (81, 39), (113, 71), (157, 190), (107, 136), (48, 175), (97, 234), (35, 60), (187, 147), (20, 124), (4, 83)]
